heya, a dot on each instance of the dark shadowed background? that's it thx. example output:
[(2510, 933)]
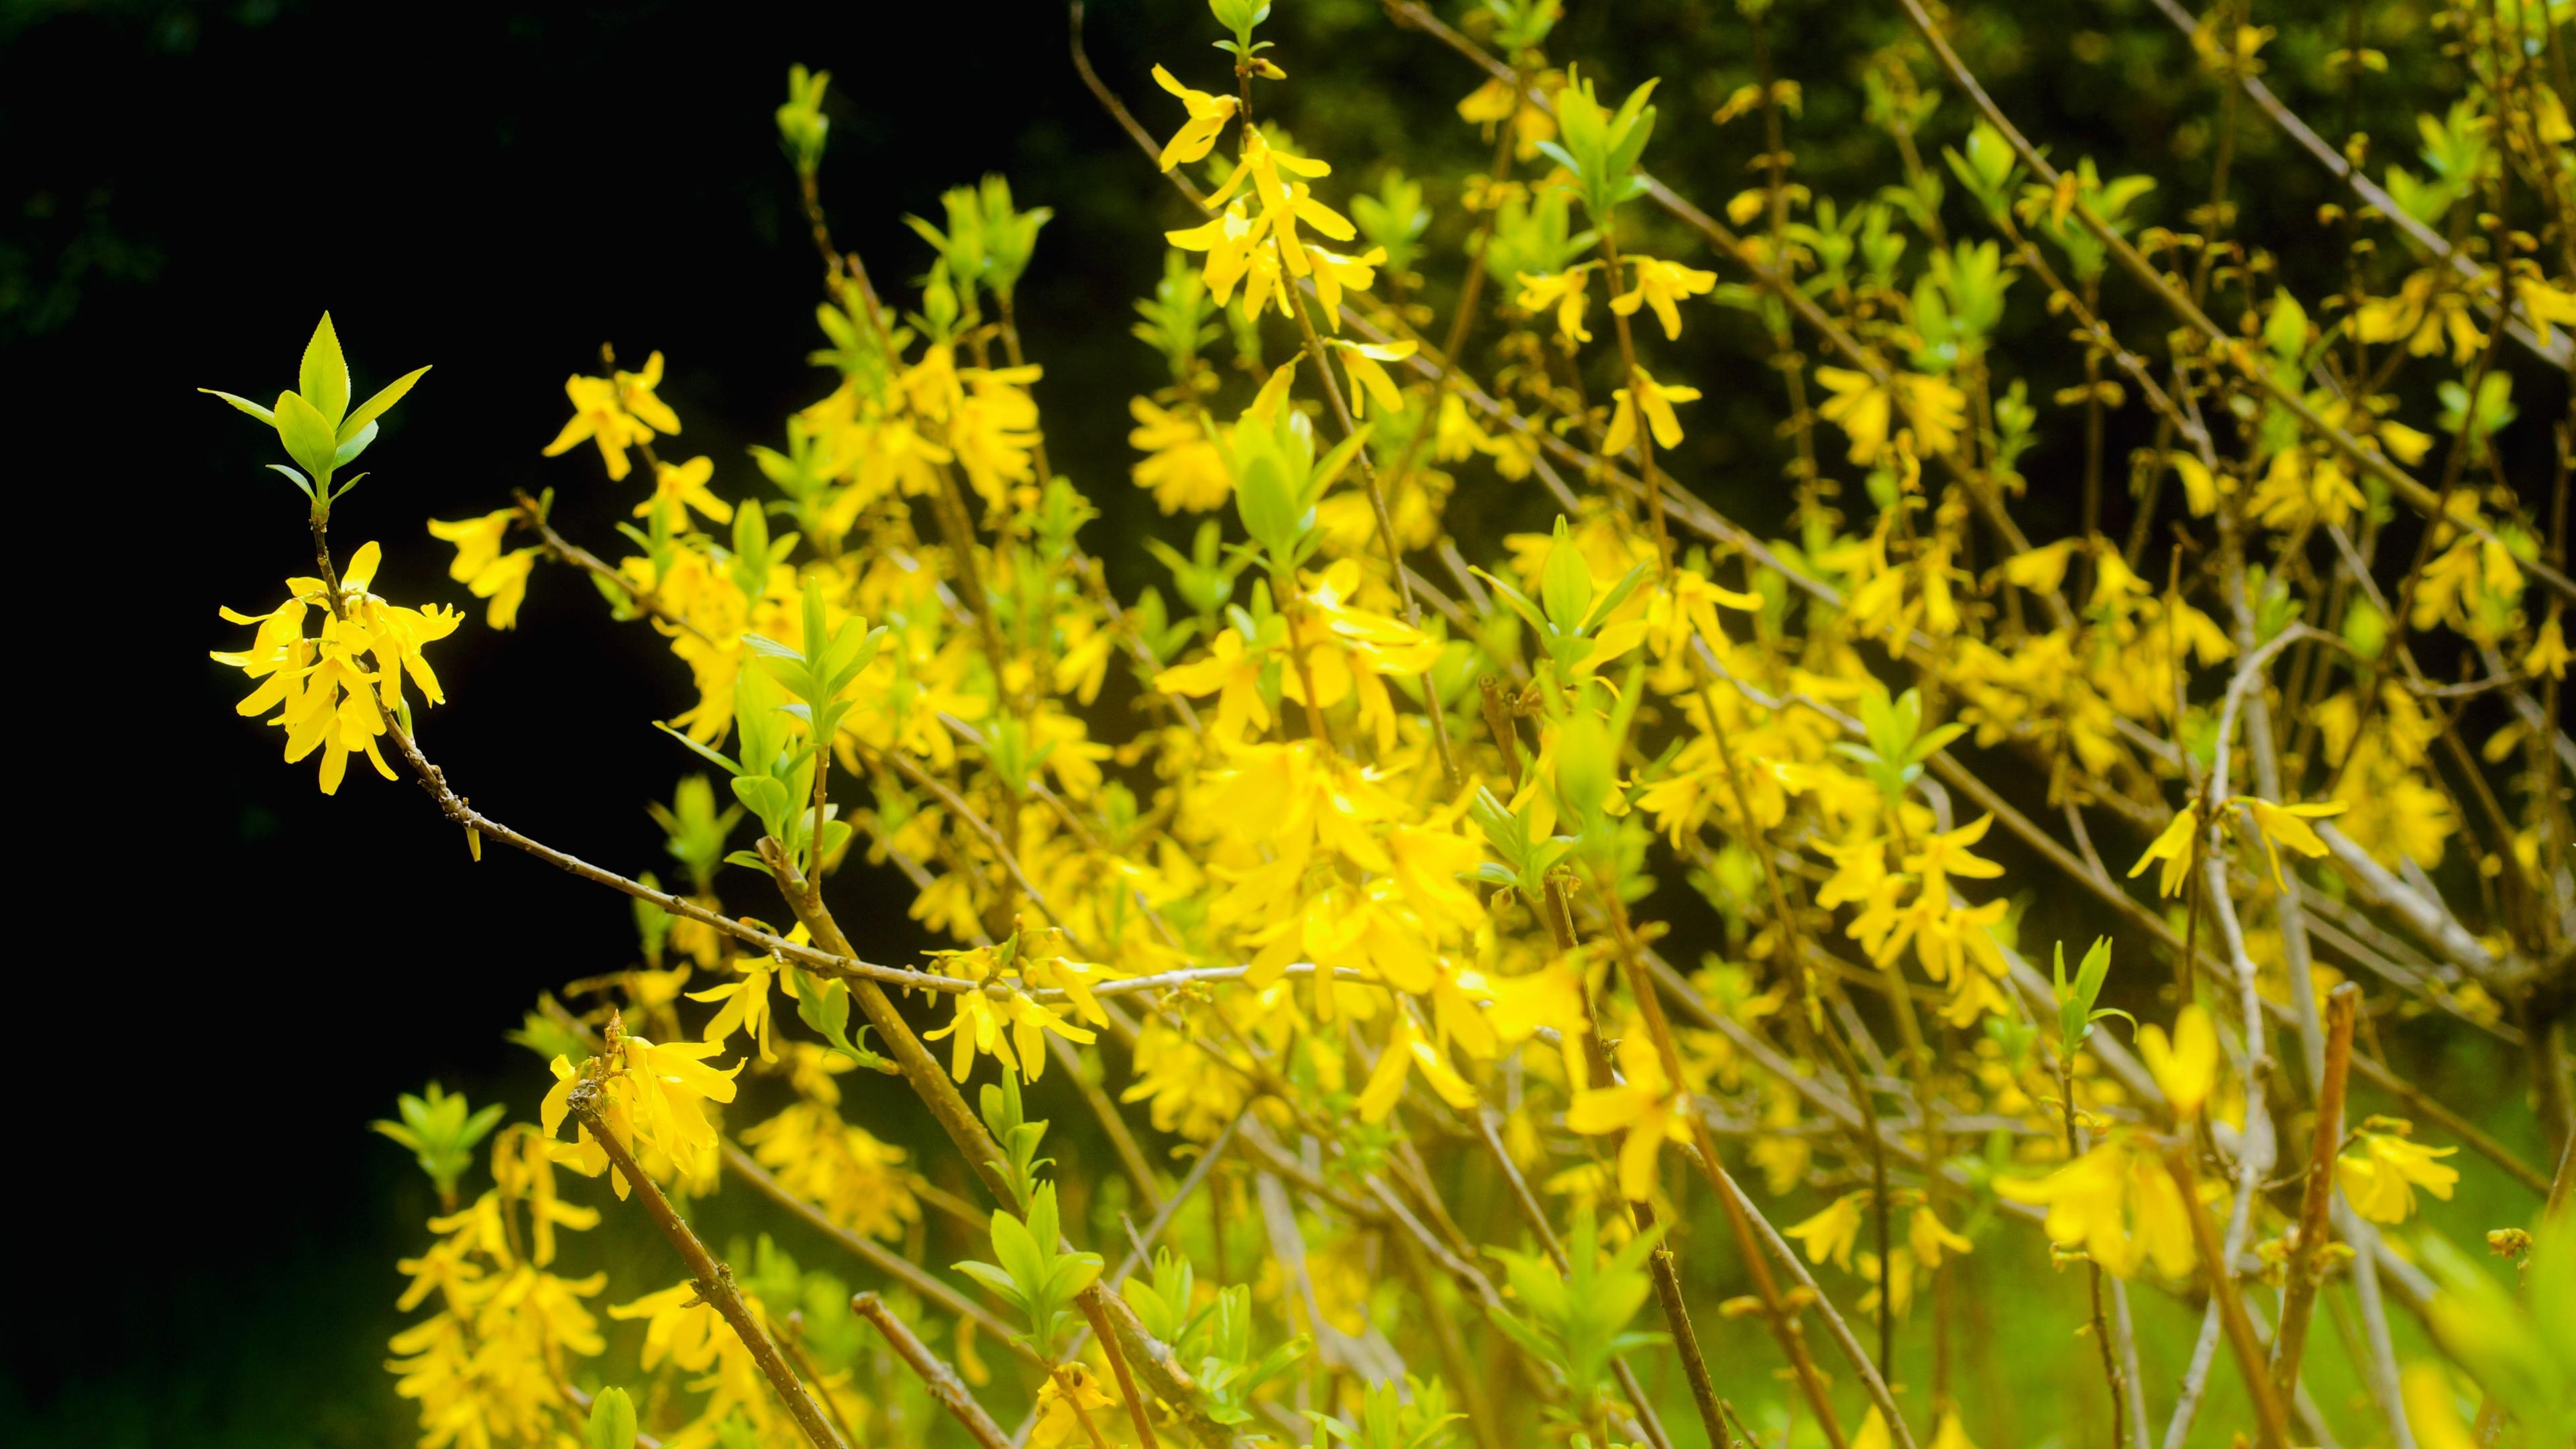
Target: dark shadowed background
[(245, 973)]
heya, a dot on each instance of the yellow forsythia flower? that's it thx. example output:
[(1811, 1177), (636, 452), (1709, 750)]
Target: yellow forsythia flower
[(2382, 1172), (481, 566), (1657, 401), (2185, 1067), (617, 413), (2287, 825), (1829, 1235), (325, 694), (1659, 285), (1185, 469), (1646, 1106), (1569, 292), (2118, 1204), (1208, 115), (2174, 848)]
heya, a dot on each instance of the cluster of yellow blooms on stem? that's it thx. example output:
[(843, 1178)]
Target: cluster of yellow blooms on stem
[(1351, 946)]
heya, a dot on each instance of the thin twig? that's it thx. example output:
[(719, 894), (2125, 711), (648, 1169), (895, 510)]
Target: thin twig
[(714, 1280), (936, 1375), (2304, 1275)]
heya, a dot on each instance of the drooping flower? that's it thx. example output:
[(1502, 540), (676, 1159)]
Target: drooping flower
[(2175, 847), (1185, 469), (2287, 825), (1830, 1234), (2383, 1170), (326, 695), (1660, 284), (1657, 400), (2118, 1204), (1365, 363), (1646, 1106), (1197, 136), (1569, 292), (486, 572), (1933, 411), (679, 487), (617, 412), (2185, 1067)]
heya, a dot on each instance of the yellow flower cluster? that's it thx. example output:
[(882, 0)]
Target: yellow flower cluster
[(1657, 847)]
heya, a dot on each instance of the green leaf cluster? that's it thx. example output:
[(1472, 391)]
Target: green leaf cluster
[(1034, 1272), (315, 422), (1213, 1340), (441, 1133), (1568, 612), (1577, 1320), (1898, 743), (802, 126), (988, 241), (1278, 480), (1601, 147), (2076, 1012)]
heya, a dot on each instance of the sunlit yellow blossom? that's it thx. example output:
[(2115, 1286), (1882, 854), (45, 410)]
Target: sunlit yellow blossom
[(1873, 1432), (1946, 854), (1646, 1106), (1932, 410), (1231, 240), (326, 695), (746, 1005), (1365, 364), (652, 1097), (1409, 1049), (2176, 848), (2281, 826), (1333, 271), (1186, 470), (1830, 1234), (1660, 284), (484, 569), (2383, 1170), (1931, 1239), (1569, 292), (617, 413), (1657, 401), (2186, 1067), (2117, 1203), (679, 487), (1208, 115), (1010, 1028), (1233, 675), (1060, 1410), (857, 1180)]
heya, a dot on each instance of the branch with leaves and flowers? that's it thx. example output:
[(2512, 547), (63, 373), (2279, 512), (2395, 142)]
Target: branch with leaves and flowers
[(1360, 907)]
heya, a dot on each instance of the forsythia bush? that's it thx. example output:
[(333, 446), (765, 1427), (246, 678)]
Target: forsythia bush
[(1346, 944)]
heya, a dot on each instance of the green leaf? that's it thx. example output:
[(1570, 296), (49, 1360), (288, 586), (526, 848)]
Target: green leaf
[(302, 485), (351, 445), (375, 407), (324, 378), (1565, 583), (245, 404), (2095, 969), (1021, 1256), (1608, 604), (702, 751), (612, 1421), (307, 436), (1330, 466), (767, 798)]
